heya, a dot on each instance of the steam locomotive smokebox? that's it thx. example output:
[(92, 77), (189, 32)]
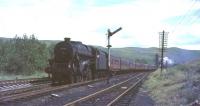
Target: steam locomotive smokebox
[(63, 51), (67, 39)]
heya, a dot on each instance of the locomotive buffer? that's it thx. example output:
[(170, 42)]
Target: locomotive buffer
[(109, 46)]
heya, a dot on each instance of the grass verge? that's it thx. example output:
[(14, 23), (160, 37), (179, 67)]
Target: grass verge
[(4, 76), (179, 85)]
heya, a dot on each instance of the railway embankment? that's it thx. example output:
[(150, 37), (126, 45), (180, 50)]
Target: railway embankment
[(178, 85)]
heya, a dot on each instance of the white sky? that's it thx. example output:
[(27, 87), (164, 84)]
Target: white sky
[(88, 21)]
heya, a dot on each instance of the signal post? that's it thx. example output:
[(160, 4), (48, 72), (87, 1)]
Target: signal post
[(109, 46)]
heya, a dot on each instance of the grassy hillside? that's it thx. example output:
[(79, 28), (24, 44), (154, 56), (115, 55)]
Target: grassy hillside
[(179, 56), (179, 85), (146, 55), (2, 39)]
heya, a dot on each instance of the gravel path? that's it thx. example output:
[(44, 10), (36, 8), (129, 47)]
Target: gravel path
[(142, 98)]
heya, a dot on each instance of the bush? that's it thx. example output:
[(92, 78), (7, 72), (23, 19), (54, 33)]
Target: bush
[(177, 86), (23, 55)]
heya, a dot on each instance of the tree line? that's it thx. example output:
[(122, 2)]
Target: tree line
[(23, 55)]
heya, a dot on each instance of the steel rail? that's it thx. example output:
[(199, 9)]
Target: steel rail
[(4, 82), (125, 92), (99, 92), (43, 91), (26, 89)]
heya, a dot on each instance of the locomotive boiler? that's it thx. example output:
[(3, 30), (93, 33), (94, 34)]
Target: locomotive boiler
[(74, 62)]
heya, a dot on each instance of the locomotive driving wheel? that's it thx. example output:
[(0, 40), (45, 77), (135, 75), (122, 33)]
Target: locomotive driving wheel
[(85, 70), (76, 74), (88, 73)]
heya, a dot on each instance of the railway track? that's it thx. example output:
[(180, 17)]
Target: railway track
[(111, 95), (40, 91), (125, 98), (21, 81), (68, 94), (8, 87)]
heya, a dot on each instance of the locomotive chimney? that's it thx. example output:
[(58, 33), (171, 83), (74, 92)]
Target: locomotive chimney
[(67, 39)]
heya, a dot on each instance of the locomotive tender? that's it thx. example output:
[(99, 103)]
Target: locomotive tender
[(74, 62)]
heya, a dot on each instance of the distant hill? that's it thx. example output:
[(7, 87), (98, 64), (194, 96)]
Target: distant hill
[(146, 55), (50, 42), (179, 56), (4, 39)]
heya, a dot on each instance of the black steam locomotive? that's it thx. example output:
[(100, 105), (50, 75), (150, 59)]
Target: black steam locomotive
[(74, 62)]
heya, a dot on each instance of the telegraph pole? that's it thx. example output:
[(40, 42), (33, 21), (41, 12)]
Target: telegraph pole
[(163, 37), (109, 46)]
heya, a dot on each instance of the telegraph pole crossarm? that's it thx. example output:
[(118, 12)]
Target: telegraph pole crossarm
[(163, 46)]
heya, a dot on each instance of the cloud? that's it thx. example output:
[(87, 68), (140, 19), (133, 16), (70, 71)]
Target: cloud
[(88, 21), (185, 19), (188, 40), (41, 18)]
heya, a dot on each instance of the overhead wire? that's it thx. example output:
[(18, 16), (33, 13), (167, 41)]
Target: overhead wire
[(182, 18), (194, 18)]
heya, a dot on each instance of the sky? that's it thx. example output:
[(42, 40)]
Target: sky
[(88, 21)]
